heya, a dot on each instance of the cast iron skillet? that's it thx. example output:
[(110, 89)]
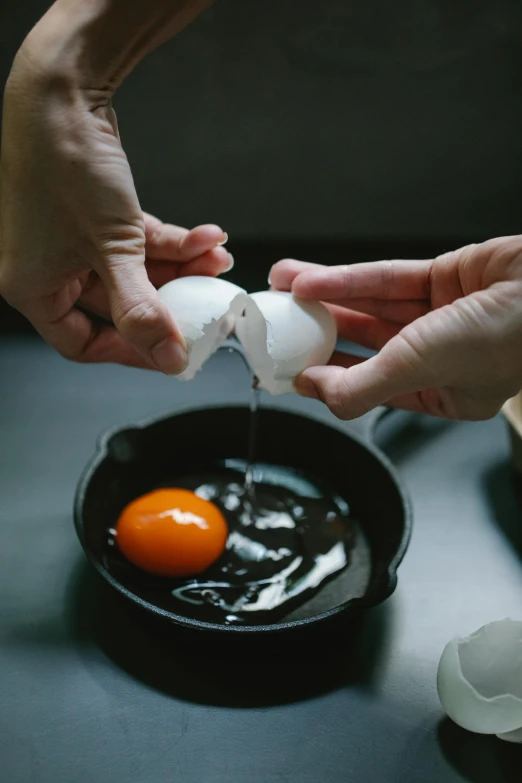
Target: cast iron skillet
[(132, 461)]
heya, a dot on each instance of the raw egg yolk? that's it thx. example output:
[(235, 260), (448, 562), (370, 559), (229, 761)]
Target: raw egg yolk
[(171, 532)]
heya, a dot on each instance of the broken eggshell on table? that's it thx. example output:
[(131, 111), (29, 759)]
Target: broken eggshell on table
[(281, 335), (479, 680)]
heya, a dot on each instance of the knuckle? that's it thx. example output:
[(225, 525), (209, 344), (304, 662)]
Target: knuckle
[(120, 244), (290, 265), (406, 352), (473, 407), (460, 254), (339, 398), (141, 316), (505, 256), (510, 245), (121, 250), (338, 407), (73, 355), (156, 235), (346, 278)]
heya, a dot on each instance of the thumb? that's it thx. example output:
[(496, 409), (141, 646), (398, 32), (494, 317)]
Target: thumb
[(142, 318), (352, 392)]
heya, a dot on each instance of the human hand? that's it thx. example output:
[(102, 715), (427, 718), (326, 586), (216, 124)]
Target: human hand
[(72, 231), (448, 331)]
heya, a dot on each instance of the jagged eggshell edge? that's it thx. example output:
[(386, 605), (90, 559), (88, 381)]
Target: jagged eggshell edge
[(282, 336), (460, 700), (205, 310)]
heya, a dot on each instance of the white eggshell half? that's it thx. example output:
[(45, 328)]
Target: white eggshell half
[(479, 680), (205, 310), (512, 736), (282, 336)]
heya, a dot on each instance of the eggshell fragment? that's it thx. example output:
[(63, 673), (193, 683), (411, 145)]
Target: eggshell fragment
[(205, 310), (479, 680), (282, 336)]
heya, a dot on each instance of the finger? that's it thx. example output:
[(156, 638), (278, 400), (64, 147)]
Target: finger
[(140, 315), (363, 329), (351, 392), (340, 359), (424, 400), (94, 297), (76, 338), (215, 262), (401, 311), (409, 402), (378, 279), (284, 272), (166, 242)]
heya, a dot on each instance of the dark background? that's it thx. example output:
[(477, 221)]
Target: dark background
[(333, 131)]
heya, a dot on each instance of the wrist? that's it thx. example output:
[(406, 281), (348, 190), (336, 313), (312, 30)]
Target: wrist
[(54, 58), (95, 44)]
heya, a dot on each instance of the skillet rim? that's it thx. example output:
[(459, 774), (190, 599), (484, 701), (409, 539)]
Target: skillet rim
[(387, 581)]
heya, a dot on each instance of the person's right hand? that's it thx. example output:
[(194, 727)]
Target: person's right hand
[(72, 231), (448, 332)]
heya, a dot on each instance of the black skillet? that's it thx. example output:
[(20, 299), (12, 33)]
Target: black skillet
[(132, 461)]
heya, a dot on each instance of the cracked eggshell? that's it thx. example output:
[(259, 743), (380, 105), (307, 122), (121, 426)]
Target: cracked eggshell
[(479, 680), (205, 310), (512, 736), (282, 336)]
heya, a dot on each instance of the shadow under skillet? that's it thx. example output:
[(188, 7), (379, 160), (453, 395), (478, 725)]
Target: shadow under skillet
[(478, 758), (503, 493), (203, 668)]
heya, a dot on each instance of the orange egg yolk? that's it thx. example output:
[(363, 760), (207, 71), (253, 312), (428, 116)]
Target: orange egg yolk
[(171, 532)]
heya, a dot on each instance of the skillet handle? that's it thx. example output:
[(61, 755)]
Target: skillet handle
[(367, 424)]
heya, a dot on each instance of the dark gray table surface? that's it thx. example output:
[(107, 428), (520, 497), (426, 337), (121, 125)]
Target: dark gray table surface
[(90, 693)]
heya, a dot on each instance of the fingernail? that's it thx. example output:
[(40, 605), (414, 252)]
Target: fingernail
[(269, 279), (230, 263), (305, 387), (225, 239), (170, 356)]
